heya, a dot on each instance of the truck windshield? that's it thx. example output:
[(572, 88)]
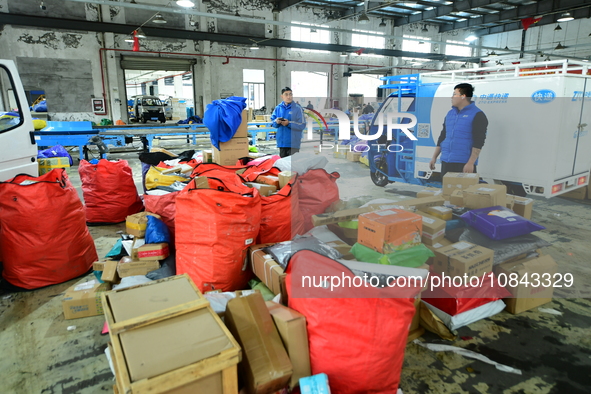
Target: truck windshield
[(151, 101)]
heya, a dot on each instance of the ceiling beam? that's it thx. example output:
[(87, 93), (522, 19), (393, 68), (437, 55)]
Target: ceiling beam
[(548, 20), (81, 25), (443, 10), (285, 4), (549, 8)]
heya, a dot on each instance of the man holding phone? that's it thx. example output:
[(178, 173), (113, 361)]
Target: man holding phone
[(288, 119)]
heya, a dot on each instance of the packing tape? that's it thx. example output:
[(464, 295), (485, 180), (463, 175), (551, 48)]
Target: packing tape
[(136, 226)]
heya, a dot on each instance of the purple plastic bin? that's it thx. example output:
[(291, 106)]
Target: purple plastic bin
[(499, 223)]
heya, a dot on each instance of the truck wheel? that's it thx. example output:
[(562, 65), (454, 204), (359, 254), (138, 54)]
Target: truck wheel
[(144, 119), (378, 178)]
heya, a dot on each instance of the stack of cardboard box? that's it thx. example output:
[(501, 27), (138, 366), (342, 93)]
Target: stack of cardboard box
[(234, 149)]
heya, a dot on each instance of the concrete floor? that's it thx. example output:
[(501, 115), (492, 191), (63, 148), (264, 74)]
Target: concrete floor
[(42, 355)]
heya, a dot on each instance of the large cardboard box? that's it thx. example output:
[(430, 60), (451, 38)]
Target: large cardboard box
[(458, 181), (523, 206), (390, 230), (153, 251), (433, 229), (509, 201), (484, 196), (133, 268), (230, 151), (429, 192), (166, 338), (292, 330), (463, 258), (46, 165), (136, 224), (526, 297), (267, 269), (84, 299), (268, 180), (265, 366)]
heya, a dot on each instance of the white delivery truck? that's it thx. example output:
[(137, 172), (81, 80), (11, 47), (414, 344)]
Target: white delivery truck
[(18, 149), (538, 133)]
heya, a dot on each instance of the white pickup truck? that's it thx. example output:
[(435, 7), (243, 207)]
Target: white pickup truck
[(18, 149)]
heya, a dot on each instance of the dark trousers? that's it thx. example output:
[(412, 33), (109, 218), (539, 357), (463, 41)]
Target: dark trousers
[(284, 152), (452, 167)]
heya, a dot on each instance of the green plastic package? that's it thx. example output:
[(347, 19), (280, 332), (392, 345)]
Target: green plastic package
[(411, 257), (256, 284)]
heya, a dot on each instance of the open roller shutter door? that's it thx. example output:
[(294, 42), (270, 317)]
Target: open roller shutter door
[(156, 63)]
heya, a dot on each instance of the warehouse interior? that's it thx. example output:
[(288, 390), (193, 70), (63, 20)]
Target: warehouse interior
[(126, 85)]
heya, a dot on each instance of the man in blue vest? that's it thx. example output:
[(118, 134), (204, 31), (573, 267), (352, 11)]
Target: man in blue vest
[(288, 118), (463, 134)]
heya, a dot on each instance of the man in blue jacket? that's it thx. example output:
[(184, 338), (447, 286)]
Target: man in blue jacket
[(463, 134), (288, 118)]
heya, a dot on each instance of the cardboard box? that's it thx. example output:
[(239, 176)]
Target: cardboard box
[(527, 297), (166, 338), (457, 198), (441, 212), (110, 272), (578, 194), (429, 192), (416, 203), (137, 268), (348, 235), (463, 258), (442, 243), (509, 201), (433, 229), (285, 177), (242, 131), (353, 156), (46, 165), (339, 216), (523, 206), (99, 265), (84, 299), (414, 324), (137, 243), (458, 181), (265, 365), (136, 224), (484, 196), (153, 251), (230, 151), (390, 230), (266, 269), (292, 330), (343, 248), (264, 190), (268, 180)]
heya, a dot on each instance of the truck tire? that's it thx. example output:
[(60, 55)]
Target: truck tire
[(377, 177), (144, 119)]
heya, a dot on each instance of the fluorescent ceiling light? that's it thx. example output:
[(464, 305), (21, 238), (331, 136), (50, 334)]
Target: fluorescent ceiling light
[(185, 3), (140, 33), (129, 39), (382, 23), (565, 17), (557, 28), (471, 37), (254, 46), (363, 19), (343, 54)]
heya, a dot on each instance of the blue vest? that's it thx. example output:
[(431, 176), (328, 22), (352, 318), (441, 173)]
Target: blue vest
[(457, 145)]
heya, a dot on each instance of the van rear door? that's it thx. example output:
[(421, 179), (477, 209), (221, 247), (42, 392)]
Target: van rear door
[(18, 150)]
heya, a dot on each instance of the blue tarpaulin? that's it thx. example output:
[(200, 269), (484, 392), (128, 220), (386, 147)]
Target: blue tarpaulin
[(223, 117)]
